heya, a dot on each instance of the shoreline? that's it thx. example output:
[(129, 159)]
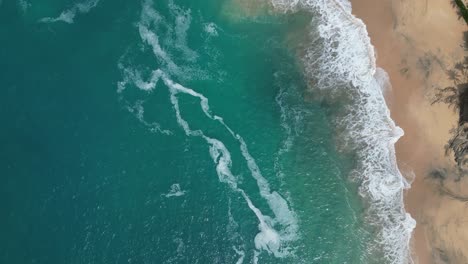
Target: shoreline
[(415, 48)]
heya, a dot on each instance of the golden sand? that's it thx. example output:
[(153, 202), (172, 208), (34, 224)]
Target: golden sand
[(416, 42)]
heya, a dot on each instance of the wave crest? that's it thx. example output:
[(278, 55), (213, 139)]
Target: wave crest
[(339, 58)]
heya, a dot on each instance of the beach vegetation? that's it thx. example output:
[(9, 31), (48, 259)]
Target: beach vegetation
[(455, 94), (456, 97), (462, 11)]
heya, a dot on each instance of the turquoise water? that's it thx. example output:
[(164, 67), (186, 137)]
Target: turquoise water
[(169, 132)]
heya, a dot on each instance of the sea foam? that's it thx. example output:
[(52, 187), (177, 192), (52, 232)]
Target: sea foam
[(345, 59), (273, 232), (68, 16), (175, 38), (175, 191), (268, 238)]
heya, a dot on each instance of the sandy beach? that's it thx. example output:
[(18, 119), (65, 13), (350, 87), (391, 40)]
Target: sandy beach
[(416, 43)]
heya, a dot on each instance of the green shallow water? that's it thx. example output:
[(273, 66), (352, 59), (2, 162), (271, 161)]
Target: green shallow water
[(87, 178)]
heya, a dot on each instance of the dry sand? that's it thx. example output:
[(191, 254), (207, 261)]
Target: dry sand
[(416, 42)]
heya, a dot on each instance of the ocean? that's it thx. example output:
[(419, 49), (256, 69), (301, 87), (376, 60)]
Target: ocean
[(178, 131)]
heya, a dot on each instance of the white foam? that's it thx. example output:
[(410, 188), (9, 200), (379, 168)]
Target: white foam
[(278, 204), (268, 238), (292, 113), (175, 191), (241, 254), (150, 23), (383, 80), (288, 142), (138, 110), (211, 29), (23, 4), (347, 58), (235, 236), (152, 39), (346, 52), (255, 258), (175, 38), (136, 78), (68, 16), (283, 214), (183, 19)]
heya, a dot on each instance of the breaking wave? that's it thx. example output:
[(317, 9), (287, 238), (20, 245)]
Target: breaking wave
[(339, 59)]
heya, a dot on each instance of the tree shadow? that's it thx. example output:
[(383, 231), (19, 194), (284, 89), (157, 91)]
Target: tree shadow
[(456, 97)]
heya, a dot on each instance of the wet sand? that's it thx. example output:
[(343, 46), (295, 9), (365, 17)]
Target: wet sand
[(416, 42)]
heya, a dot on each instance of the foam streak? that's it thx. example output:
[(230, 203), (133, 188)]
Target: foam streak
[(68, 16), (347, 59)]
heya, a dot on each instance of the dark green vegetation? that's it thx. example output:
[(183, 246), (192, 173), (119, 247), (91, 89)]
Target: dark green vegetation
[(456, 97), (462, 10)]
